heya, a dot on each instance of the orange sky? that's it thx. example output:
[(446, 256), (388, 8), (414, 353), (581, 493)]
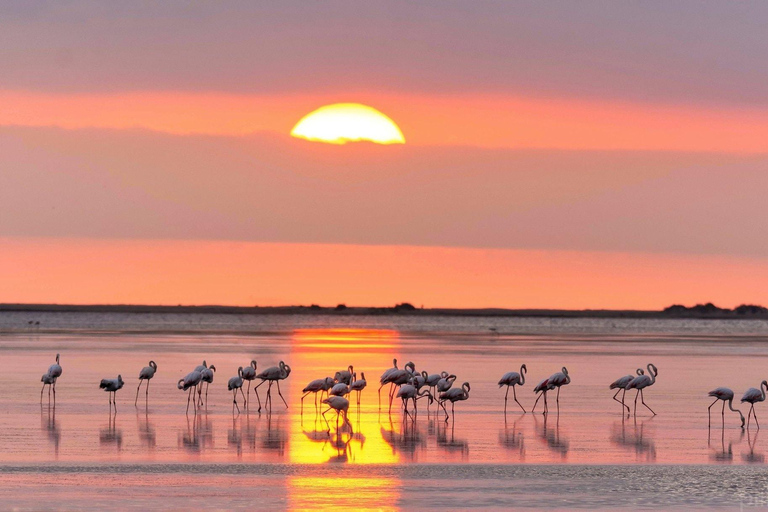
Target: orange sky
[(243, 273), (489, 121)]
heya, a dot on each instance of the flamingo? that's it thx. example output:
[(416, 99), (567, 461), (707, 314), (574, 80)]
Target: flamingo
[(146, 373), (726, 395), (419, 380), (359, 386), (233, 385), (345, 376), (753, 396), (641, 382), (398, 378), (512, 379), (207, 378), (47, 380), (339, 389), (411, 392), (273, 374), (249, 374), (541, 388), (385, 377), (54, 372), (340, 405), (434, 378), (558, 380), (190, 382), (201, 367), (454, 395), (622, 384), (111, 386), (445, 383), (316, 386)]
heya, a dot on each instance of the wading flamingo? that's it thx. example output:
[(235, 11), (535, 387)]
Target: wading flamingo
[(621, 384), (752, 396), (411, 392), (398, 378), (641, 382), (512, 379), (146, 373), (273, 374), (47, 380), (558, 380), (345, 376), (541, 388), (339, 389), (207, 378), (385, 377), (454, 395), (316, 386), (190, 382), (111, 386), (726, 395), (359, 386), (233, 385), (54, 372), (249, 374), (341, 406)]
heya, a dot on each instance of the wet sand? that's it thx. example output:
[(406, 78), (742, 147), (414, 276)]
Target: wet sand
[(78, 454)]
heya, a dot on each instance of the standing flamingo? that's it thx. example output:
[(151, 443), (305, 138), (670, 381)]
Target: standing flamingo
[(146, 373), (359, 386), (411, 392), (340, 405), (47, 380), (249, 374), (316, 386), (345, 376), (54, 372), (541, 388), (339, 389), (190, 382), (434, 378), (398, 378), (622, 384), (512, 379), (273, 374), (558, 380), (207, 378), (752, 396), (454, 395), (111, 386), (726, 395), (385, 377), (641, 382), (233, 385)]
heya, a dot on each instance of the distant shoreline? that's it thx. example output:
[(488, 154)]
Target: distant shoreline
[(707, 311)]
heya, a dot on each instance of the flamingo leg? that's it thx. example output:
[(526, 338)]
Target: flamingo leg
[(146, 390), (755, 415), (709, 411), (302, 401), (536, 402), (234, 402), (114, 400), (41, 393), (638, 394), (137, 393), (256, 390), (642, 400), (558, 400), (189, 397), (624, 394), (207, 385), (281, 395), (245, 404), (326, 419), (546, 405), (749, 413), (514, 395), (505, 400)]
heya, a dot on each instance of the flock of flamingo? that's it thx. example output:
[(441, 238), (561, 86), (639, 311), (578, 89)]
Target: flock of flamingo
[(404, 383)]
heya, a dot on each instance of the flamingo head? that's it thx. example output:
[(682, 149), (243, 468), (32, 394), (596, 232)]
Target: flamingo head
[(351, 369), (153, 365), (394, 362), (180, 384), (652, 366), (523, 369), (212, 368), (204, 365), (253, 363), (465, 385), (565, 371), (410, 366), (329, 382), (640, 371), (240, 371), (764, 383), (362, 374)]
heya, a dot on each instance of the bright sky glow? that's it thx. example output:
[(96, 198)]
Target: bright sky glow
[(348, 122)]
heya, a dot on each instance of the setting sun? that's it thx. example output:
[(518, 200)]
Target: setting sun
[(348, 122)]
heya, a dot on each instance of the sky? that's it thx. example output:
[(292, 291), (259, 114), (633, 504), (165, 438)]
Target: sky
[(558, 155)]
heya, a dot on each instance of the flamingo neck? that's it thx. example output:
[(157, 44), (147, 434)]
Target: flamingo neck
[(652, 373), (522, 375)]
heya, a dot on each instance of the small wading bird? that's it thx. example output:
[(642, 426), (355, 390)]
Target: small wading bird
[(512, 379), (341, 406), (111, 386), (726, 395), (316, 386), (752, 396), (273, 374), (454, 395), (641, 382), (54, 372), (207, 379), (190, 382), (146, 373), (359, 386), (249, 373), (233, 385), (622, 384)]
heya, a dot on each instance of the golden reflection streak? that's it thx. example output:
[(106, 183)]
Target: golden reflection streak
[(317, 353)]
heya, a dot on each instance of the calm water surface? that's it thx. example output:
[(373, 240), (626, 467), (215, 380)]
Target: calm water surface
[(78, 454)]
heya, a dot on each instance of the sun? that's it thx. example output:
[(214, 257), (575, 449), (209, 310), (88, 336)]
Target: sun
[(348, 122)]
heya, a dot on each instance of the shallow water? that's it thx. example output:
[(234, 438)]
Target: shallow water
[(589, 455)]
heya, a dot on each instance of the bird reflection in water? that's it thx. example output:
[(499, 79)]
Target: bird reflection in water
[(633, 435), (275, 438), (722, 452), (510, 438), (447, 440), (147, 431), (111, 435), (751, 456), (406, 442), (551, 435), (51, 426), (199, 434)]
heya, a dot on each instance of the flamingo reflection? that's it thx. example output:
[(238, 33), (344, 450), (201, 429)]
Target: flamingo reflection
[(753, 457), (51, 426), (551, 436), (723, 453), (111, 435), (451, 443), (512, 439), (406, 442), (147, 431), (198, 435), (635, 439)]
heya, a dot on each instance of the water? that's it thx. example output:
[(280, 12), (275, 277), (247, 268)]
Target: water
[(78, 454)]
